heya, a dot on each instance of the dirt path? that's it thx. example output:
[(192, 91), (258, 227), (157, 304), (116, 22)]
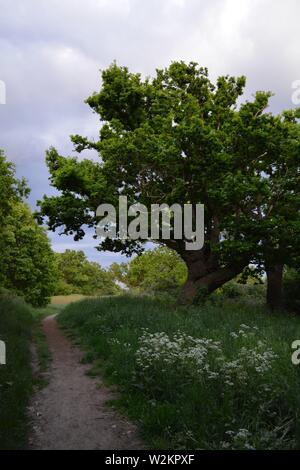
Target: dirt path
[(70, 412)]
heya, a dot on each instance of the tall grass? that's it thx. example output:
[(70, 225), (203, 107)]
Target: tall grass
[(15, 377), (211, 377)]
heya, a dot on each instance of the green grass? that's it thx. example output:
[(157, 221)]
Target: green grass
[(15, 377), (20, 325), (184, 393)]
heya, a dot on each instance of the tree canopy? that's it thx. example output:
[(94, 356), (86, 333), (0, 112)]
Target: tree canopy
[(26, 258), (158, 270), (179, 138), (77, 275), (11, 188), (27, 261)]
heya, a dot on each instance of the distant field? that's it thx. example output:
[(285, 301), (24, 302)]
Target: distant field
[(67, 299)]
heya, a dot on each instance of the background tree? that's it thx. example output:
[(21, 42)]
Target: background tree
[(276, 218), (177, 138), (26, 260), (77, 275), (11, 189), (158, 270), (119, 272), (283, 244)]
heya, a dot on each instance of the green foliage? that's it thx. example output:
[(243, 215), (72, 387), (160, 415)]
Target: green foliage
[(277, 216), (11, 189), (206, 378), (15, 377), (251, 293), (158, 270), (26, 259), (201, 295), (149, 145), (77, 275), (247, 286), (179, 138)]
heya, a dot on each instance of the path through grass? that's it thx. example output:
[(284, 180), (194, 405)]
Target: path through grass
[(20, 325)]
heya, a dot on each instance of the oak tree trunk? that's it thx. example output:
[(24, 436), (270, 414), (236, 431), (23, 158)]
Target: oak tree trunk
[(202, 280), (274, 287)]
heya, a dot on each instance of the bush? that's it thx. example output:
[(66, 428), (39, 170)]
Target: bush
[(232, 290), (251, 294)]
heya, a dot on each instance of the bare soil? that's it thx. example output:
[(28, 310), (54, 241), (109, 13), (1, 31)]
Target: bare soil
[(71, 411)]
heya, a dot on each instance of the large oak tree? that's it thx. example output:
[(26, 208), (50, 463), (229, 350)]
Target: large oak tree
[(176, 138)]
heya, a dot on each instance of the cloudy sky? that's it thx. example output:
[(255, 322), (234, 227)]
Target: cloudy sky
[(51, 52)]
